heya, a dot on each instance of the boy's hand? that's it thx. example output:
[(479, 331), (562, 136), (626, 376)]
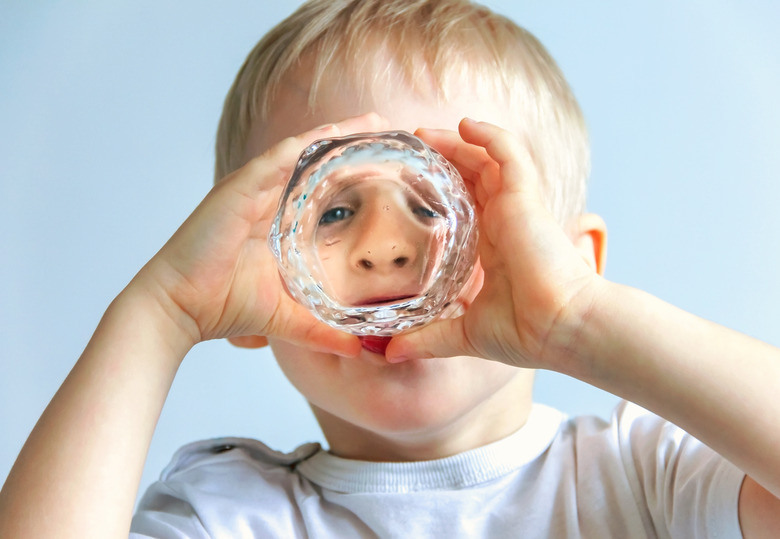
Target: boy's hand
[(536, 287), (216, 277)]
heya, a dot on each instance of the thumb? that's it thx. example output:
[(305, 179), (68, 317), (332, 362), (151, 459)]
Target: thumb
[(323, 338), (301, 328), (444, 338)]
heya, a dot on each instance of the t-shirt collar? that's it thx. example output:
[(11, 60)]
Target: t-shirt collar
[(458, 471)]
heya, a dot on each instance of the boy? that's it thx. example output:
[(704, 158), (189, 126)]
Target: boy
[(440, 436)]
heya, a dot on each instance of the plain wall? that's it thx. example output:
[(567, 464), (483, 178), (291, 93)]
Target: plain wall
[(107, 118)]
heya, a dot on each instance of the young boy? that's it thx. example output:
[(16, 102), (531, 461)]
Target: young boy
[(439, 437)]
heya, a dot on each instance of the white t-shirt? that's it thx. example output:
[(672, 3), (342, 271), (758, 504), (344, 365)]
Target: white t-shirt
[(635, 476)]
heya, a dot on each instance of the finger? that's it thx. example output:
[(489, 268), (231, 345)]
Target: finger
[(259, 183), (322, 338), (445, 338), (518, 170), (273, 167), (469, 157), (297, 325), (476, 167), (365, 123), (249, 341)]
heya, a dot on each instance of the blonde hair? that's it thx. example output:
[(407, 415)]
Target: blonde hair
[(447, 39)]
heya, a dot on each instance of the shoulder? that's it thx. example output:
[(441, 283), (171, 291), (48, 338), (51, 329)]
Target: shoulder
[(234, 452), (651, 451), (220, 486), (677, 483), (631, 432)]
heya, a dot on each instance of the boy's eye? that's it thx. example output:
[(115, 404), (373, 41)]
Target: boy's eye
[(426, 213), (335, 215)]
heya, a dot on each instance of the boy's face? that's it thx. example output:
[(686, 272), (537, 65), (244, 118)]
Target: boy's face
[(368, 408)]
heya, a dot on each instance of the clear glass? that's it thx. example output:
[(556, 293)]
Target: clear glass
[(375, 233)]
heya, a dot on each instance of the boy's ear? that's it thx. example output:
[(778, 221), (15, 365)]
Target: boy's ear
[(248, 341), (589, 236)]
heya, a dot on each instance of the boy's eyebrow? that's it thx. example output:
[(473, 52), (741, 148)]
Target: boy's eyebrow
[(353, 177), (349, 180), (425, 192)]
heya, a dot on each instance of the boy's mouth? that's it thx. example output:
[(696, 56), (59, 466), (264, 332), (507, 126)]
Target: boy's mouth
[(374, 343), (384, 300)]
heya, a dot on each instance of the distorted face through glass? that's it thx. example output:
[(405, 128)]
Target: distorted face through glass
[(377, 241), (375, 233)]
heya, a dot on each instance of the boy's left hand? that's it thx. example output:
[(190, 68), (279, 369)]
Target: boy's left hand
[(543, 305), (537, 285)]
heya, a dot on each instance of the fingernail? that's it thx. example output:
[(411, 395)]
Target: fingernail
[(324, 127), (398, 357)]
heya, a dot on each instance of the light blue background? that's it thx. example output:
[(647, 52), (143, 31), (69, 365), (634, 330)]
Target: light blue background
[(107, 119)]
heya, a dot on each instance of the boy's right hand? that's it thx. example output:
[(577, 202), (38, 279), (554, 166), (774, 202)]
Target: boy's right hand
[(216, 276)]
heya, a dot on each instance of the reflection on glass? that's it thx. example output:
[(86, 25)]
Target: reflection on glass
[(375, 233)]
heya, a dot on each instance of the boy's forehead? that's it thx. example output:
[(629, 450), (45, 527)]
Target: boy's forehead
[(340, 97)]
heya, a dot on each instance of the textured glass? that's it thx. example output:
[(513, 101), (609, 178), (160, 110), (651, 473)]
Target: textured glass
[(375, 233)]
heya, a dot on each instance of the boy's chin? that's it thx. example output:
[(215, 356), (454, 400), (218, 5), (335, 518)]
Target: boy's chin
[(368, 401), (420, 427), (390, 431)]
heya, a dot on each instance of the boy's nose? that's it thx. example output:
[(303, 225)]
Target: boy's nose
[(385, 243)]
